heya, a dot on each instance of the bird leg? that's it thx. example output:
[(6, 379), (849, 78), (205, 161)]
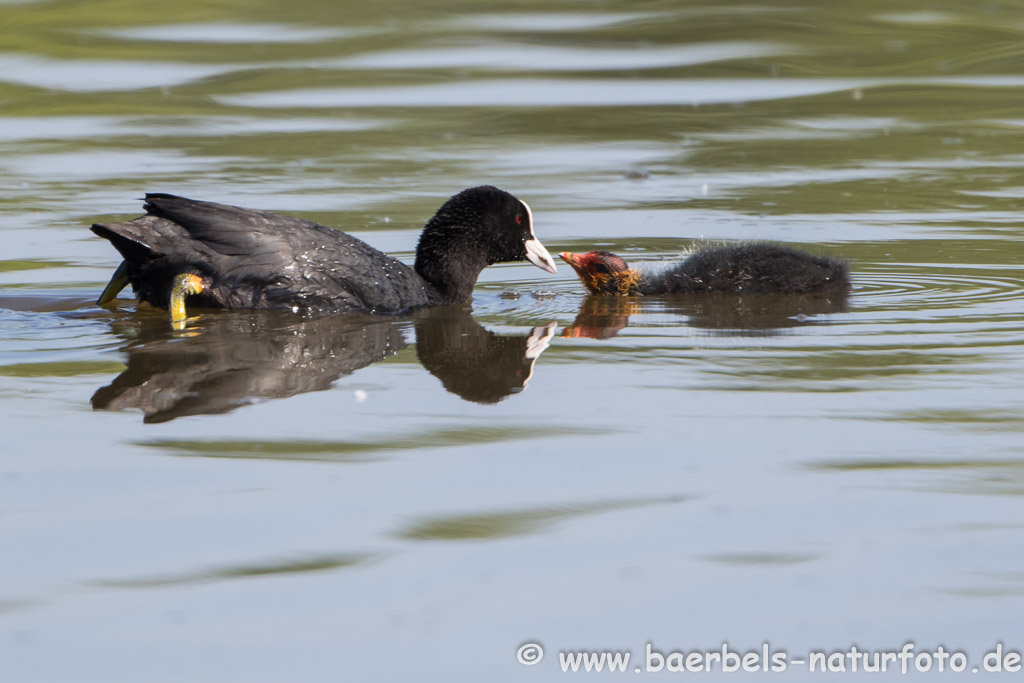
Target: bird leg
[(118, 281), (184, 285)]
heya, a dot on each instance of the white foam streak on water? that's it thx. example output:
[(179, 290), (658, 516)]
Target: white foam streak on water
[(84, 75), (232, 33), (544, 22), (511, 58), (75, 127), (518, 92)]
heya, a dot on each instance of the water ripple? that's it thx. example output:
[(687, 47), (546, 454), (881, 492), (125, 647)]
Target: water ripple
[(542, 92), (543, 58), (83, 75), (938, 288), (521, 92), (553, 21), (230, 33)]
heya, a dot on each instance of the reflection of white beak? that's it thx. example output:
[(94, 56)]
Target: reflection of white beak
[(539, 339), (539, 256)]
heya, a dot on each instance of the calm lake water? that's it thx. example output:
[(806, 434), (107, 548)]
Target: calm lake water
[(266, 497)]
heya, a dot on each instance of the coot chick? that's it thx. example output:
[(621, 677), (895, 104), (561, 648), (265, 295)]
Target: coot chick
[(754, 268), (224, 256)]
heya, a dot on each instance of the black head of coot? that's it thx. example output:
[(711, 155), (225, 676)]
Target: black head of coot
[(474, 229)]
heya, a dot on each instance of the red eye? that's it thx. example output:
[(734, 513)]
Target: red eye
[(519, 219)]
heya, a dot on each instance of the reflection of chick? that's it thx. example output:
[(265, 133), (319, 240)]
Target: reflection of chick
[(601, 317), (747, 268)]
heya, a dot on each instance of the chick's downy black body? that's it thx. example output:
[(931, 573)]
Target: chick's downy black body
[(250, 259), (753, 268)]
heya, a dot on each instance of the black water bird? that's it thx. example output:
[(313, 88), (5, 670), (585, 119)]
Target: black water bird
[(221, 256), (752, 268)]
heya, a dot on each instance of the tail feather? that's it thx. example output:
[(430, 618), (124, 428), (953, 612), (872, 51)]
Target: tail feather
[(143, 239), (207, 218), (236, 231), (131, 246), (171, 206)]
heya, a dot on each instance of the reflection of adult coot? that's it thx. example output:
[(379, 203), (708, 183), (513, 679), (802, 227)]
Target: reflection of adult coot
[(229, 359), (233, 358), (472, 362)]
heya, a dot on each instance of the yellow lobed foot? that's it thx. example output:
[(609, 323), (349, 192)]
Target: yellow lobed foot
[(184, 285)]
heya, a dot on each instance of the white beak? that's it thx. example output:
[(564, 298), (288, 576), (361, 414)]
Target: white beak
[(535, 251), (539, 256)]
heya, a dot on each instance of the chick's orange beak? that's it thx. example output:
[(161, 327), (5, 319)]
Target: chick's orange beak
[(571, 258)]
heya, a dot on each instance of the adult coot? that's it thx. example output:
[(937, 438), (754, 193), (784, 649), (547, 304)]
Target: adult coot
[(223, 256), (754, 268)]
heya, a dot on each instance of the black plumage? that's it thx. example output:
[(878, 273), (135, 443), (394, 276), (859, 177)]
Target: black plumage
[(242, 357), (249, 259), (752, 268), (473, 362)]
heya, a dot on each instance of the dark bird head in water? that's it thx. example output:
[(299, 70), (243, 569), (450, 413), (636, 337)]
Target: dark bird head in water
[(474, 229)]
